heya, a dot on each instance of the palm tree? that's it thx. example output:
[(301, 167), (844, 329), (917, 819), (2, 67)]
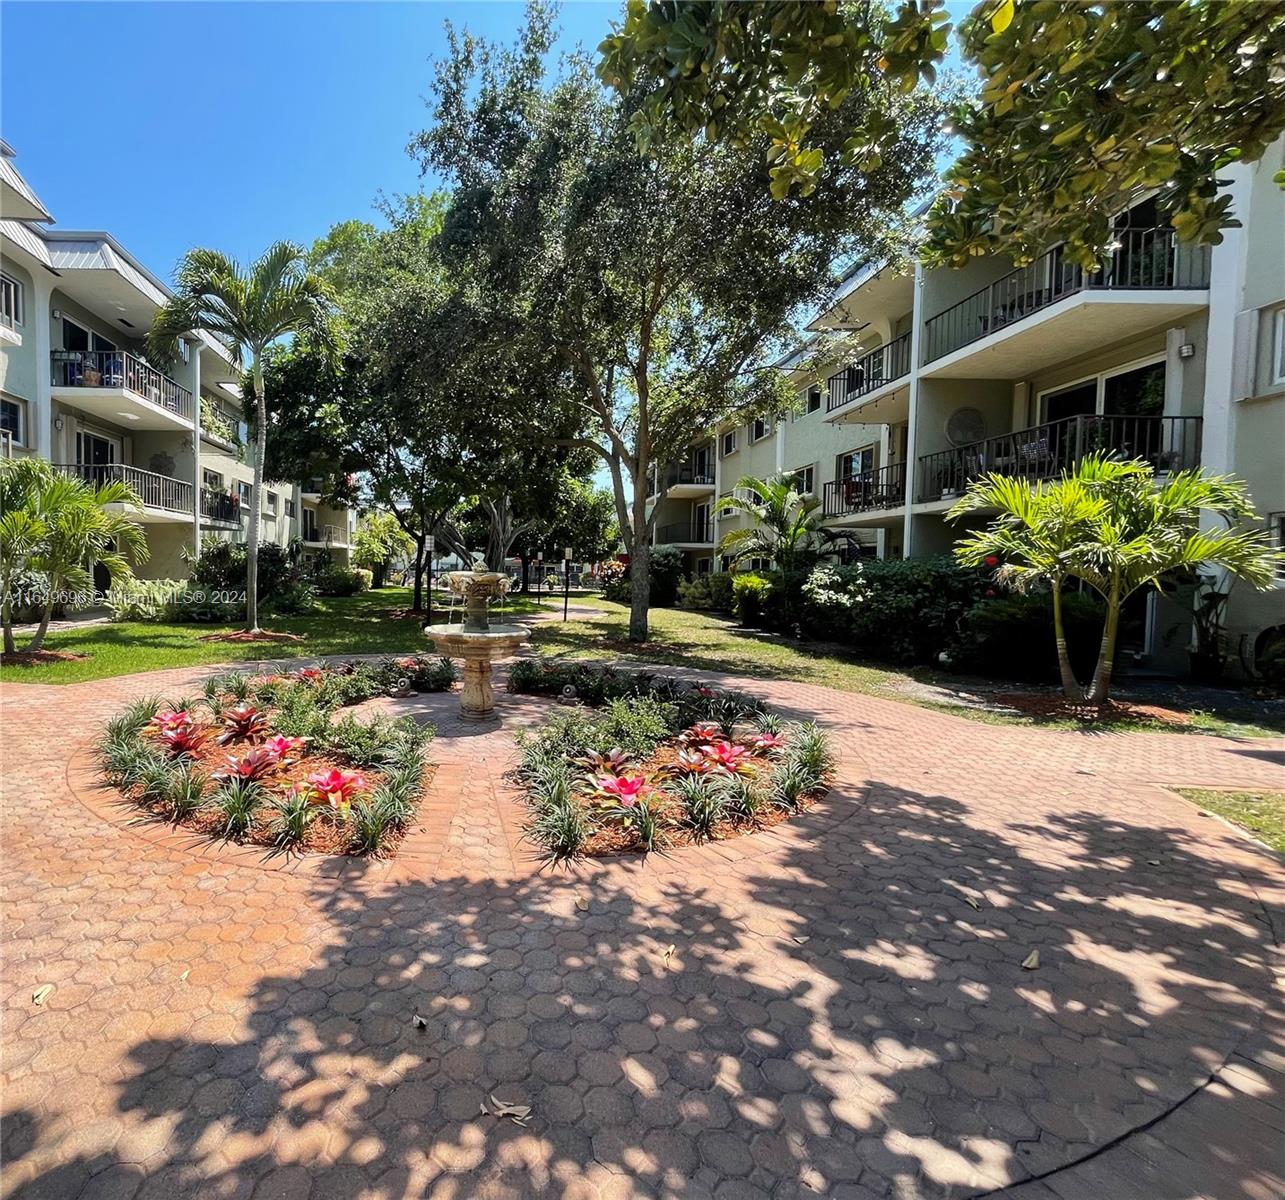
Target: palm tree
[(786, 525), (247, 310), (1032, 542), (62, 525), (1111, 525), (1146, 532)]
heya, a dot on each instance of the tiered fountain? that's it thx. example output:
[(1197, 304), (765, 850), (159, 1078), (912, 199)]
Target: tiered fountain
[(476, 640)]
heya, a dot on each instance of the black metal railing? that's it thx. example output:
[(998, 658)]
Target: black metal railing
[(696, 530), (119, 369), (328, 535), (867, 491), (1143, 258), (153, 490), (1045, 451), (882, 365), (219, 506)]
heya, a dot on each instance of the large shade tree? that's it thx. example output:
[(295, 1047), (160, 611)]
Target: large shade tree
[(660, 281), (248, 309), (1075, 101)]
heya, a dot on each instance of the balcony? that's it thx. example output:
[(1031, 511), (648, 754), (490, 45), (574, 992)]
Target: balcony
[(163, 497), (870, 491), (218, 508), (695, 532), (119, 387), (1046, 451), (883, 365), (329, 537), (1149, 280), (685, 482)]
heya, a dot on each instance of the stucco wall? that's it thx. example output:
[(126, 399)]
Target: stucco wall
[(18, 363)]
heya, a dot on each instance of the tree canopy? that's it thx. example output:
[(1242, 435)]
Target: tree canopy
[(1075, 101)]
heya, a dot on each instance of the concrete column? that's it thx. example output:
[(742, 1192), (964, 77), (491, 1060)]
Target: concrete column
[(718, 485), (194, 382), (912, 462), (781, 423), (42, 416), (1175, 369)]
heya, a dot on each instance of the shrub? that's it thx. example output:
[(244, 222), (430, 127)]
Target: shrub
[(665, 569), (379, 742), (422, 672), (370, 823), (750, 592), (614, 578), (711, 592), (298, 712), (790, 780), (184, 793), (704, 804), (237, 801), (222, 567), (331, 579), (1011, 637), (173, 600), (561, 827)]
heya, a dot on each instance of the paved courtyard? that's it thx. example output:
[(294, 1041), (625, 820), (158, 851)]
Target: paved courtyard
[(835, 1018)]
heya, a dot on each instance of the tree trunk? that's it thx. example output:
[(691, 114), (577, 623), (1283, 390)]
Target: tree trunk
[(1100, 689), (417, 587), (38, 640), (526, 573), (640, 580), (256, 500), (6, 616), (1070, 685)]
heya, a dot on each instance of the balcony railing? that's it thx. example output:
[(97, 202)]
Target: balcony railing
[(699, 473), (155, 491), (1143, 259), (219, 506), (698, 531), (882, 365), (117, 369), (867, 491), (1045, 451), (329, 535)]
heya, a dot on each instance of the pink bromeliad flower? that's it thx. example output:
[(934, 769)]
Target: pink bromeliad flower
[(625, 790), (761, 743), (311, 674), (701, 734), (283, 747), (727, 757), (338, 788), (168, 720), (693, 762)]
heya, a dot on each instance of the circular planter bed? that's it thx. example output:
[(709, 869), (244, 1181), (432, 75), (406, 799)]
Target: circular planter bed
[(263, 760), (640, 762)]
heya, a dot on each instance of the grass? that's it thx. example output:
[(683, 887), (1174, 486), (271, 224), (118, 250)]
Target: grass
[(369, 623), (708, 642), (1261, 814)]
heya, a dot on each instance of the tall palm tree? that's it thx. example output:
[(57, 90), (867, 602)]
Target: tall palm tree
[(785, 525), (54, 526), (247, 310), (1034, 537)]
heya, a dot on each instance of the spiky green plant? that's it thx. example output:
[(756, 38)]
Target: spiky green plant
[(561, 829), (293, 814), (237, 800), (705, 805), (185, 793)]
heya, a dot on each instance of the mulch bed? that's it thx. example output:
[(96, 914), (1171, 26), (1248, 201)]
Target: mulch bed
[(1048, 706), (36, 658), (244, 635)]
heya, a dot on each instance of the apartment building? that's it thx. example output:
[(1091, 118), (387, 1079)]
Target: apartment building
[(77, 390), (1171, 353)]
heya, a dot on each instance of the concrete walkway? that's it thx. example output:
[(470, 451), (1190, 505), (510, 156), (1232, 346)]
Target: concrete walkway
[(835, 1017)]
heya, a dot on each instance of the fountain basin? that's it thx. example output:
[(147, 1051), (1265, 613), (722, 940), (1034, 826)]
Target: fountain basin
[(477, 649)]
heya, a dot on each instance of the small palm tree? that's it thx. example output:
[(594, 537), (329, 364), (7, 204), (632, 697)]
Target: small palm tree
[(1032, 542), (22, 528), (64, 525), (786, 525), (247, 310)]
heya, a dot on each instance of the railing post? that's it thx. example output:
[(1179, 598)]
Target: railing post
[(1079, 440)]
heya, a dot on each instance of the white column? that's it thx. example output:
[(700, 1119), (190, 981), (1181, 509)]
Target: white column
[(194, 377), (781, 423), (718, 484), (42, 416), (912, 463)]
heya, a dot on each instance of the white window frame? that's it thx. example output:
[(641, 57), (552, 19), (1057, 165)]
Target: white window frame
[(723, 446), (244, 493), (211, 480), (19, 438), (805, 475), (873, 447), (1276, 531), (769, 428), (813, 392), (1278, 347), (270, 504), (14, 320)]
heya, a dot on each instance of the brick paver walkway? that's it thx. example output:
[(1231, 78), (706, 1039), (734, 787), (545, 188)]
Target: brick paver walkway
[(835, 1018)]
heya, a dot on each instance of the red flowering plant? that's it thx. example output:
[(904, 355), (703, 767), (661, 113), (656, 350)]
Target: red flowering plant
[(338, 788), (623, 790), (312, 674), (243, 722), (764, 743), (726, 756), (285, 748), (694, 762), (703, 733), (611, 762), (181, 741), (170, 719), (253, 764)]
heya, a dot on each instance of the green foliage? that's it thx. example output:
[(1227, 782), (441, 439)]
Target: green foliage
[(370, 822), (614, 578), (184, 792), (1008, 636), (785, 526), (750, 592), (223, 569), (331, 579), (298, 711), (561, 828), (293, 814), (809, 746), (381, 741), (711, 591), (705, 805), (666, 571), (377, 541), (237, 801), (790, 780)]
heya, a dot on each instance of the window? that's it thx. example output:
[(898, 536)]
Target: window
[(1278, 346), (212, 480), (290, 509), (813, 401), (272, 504), (1276, 523), (12, 414), (243, 490), (760, 428), (10, 302), (803, 478), (729, 442), (857, 462)]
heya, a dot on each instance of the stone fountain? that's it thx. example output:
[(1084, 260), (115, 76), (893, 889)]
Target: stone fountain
[(478, 642)]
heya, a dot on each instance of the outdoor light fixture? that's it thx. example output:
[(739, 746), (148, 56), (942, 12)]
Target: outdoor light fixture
[(1187, 350)]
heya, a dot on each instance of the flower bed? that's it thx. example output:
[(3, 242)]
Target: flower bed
[(661, 762), (263, 760)]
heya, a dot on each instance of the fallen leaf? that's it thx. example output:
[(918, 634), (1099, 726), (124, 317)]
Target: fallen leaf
[(42, 993), (582, 904), (972, 901), (1032, 960), (669, 953), (1153, 862), (803, 939), (183, 978), (503, 1109), (419, 1022)]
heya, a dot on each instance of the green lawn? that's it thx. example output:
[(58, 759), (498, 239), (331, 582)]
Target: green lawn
[(369, 623), (1259, 813), (716, 643)]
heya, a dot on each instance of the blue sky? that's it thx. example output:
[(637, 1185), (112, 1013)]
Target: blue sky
[(228, 124)]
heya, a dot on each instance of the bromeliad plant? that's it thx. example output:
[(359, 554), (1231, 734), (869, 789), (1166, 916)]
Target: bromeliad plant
[(338, 788), (243, 722)]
